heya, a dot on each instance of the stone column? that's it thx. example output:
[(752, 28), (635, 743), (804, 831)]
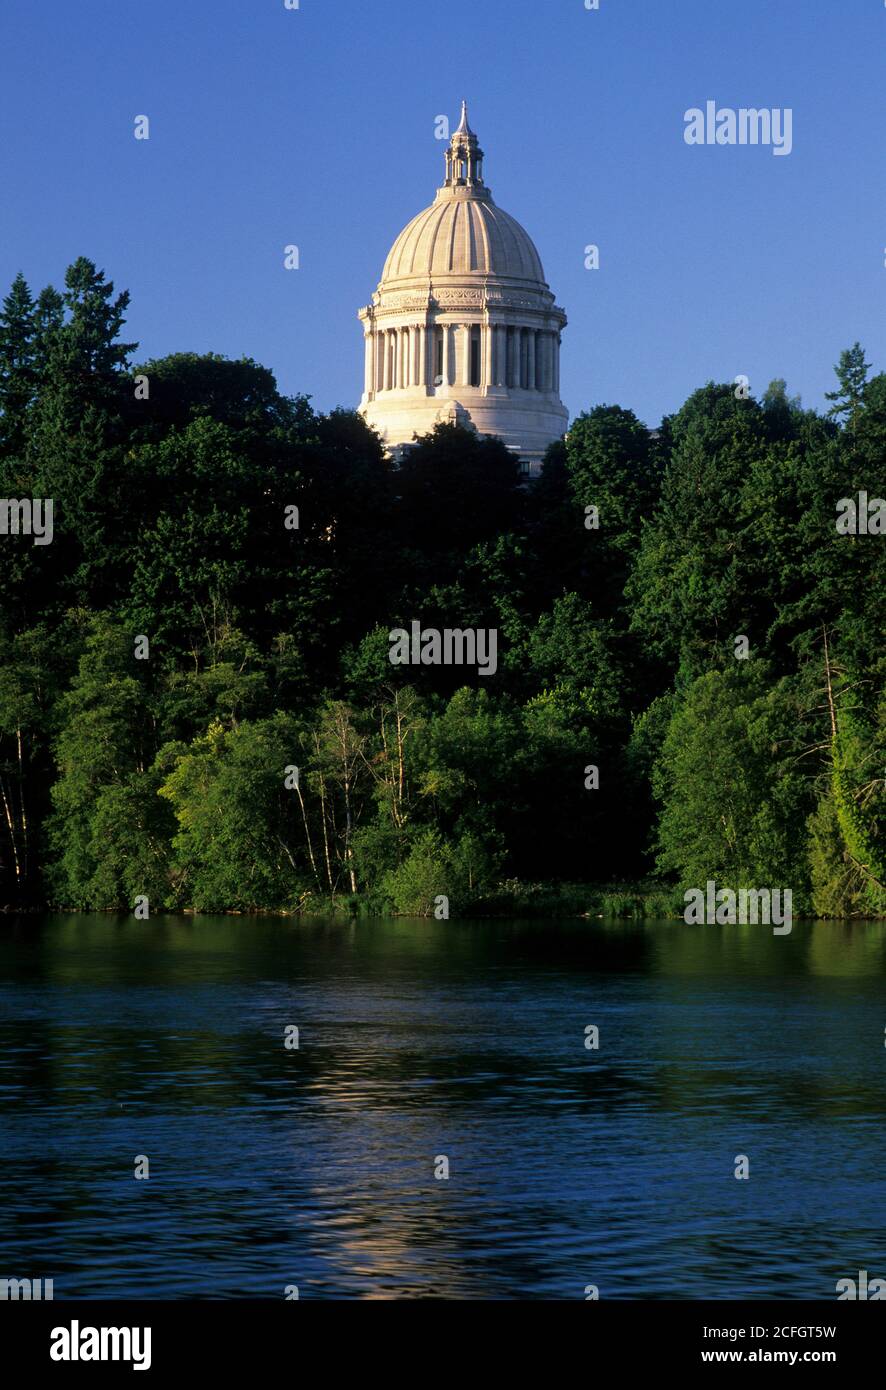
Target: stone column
[(556, 346), (532, 348), (370, 363), (544, 343), (466, 355)]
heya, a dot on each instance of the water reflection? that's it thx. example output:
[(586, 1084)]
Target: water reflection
[(316, 1167)]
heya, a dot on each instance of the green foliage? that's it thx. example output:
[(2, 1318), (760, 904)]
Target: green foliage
[(238, 833), (266, 552), (612, 465), (107, 832), (859, 807), (425, 874), (18, 367), (839, 888), (434, 869), (852, 372), (733, 802)]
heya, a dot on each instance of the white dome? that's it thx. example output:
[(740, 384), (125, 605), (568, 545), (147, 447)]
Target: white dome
[(463, 326), (463, 233)]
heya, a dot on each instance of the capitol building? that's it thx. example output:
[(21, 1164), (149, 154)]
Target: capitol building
[(463, 326)]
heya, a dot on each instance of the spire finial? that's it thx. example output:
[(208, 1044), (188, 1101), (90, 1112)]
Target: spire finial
[(464, 128)]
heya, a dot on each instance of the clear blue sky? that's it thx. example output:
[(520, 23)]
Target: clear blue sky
[(316, 127)]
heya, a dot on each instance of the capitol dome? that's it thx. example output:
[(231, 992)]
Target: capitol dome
[(462, 236), (463, 326)]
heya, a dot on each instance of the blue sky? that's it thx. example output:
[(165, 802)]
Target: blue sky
[(316, 127)]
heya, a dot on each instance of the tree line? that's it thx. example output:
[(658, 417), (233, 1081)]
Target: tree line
[(197, 705)]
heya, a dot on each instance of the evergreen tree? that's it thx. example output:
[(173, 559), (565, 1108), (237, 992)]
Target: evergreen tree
[(852, 374), (612, 468), (18, 377)]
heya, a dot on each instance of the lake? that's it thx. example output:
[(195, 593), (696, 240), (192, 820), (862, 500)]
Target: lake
[(420, 1042)]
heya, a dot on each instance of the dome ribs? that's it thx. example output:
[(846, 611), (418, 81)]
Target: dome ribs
[(452, 229), (481, 225), (417, 240), (463, 236)]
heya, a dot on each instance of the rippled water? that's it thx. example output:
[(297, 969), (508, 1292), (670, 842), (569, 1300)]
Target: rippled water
[(315, 1167)]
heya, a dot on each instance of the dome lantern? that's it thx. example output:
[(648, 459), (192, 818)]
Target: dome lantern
[(464, 158)]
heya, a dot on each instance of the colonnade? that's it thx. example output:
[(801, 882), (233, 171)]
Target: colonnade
[(478, 355)]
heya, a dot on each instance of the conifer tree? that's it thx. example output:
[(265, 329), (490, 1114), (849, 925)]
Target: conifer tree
[(18, 329), (852, 375)]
